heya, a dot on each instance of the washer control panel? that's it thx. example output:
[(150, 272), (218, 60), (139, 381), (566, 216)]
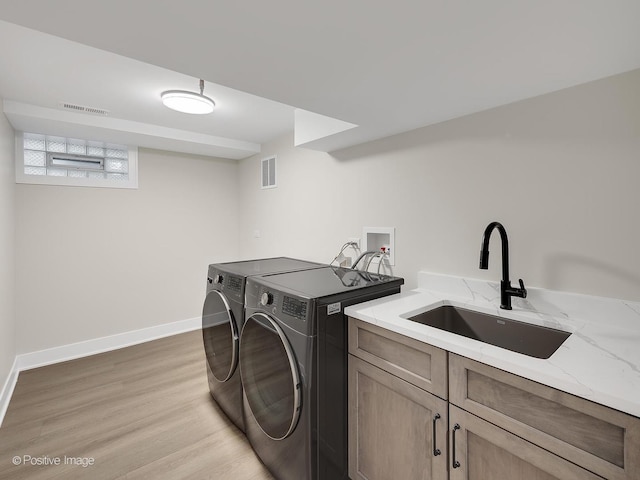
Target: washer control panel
[(294, 307), (266, 299), (288, 308)]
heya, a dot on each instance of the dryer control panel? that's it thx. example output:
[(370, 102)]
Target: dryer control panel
[(231, 285)]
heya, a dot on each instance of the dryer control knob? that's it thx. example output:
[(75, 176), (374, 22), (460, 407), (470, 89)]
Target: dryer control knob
[(217, 279), (266, 299)]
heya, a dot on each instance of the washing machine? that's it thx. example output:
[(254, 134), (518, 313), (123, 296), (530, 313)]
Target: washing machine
[(222, 321), (293, 365)]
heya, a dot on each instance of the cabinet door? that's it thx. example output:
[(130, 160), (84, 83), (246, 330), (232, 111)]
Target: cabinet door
[(396, 430), (598, 438), (481, 451)]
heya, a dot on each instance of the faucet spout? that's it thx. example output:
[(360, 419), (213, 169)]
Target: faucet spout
[(506, 290)]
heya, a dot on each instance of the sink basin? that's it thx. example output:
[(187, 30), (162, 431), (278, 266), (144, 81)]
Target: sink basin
[(525, 338)]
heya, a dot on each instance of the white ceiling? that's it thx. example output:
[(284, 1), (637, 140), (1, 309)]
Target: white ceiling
[(39, 71), (387, 67)]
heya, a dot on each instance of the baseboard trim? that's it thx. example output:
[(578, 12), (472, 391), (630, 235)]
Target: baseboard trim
[(27, 361), (7, 389), (63, 353)]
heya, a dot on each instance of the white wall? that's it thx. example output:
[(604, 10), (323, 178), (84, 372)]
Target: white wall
[(560, 171), (93, 262), (7, 249)]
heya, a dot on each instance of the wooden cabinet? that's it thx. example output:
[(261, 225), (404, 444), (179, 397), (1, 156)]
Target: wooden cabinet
[(418, 363), (598, 438), (397, 426), (482, 451), (396, 430), (495, 424)]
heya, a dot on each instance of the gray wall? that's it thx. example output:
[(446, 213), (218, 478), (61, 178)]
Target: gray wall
[(93, 262), (560, 171), (7, 249)]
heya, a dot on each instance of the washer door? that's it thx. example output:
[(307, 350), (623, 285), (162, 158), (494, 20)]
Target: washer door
[(220, 335), (270, 376)]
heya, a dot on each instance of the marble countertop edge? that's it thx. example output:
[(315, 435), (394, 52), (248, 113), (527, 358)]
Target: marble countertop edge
[(600, 361)]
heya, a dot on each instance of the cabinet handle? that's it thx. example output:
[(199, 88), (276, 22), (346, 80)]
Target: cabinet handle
[(436, 451), (456, 463)]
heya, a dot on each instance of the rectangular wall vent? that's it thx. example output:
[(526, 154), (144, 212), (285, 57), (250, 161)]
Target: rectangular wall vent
[(269, 172), (84, 109), (83, 162)]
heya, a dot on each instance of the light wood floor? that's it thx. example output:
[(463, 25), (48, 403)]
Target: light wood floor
[(142, 412)]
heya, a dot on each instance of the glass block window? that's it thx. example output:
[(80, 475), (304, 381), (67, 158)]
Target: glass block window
[(58, 160), (37, 146), (33, 158)]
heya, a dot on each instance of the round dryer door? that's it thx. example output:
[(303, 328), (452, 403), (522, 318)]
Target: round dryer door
[(270, 376), (220, 335)]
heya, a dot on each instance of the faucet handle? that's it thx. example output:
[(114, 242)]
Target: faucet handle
[(523, 290)]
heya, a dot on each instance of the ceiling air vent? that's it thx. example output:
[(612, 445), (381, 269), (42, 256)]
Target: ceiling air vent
[(269, 172), (84, 109)]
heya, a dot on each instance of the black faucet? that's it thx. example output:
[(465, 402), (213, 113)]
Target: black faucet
[(506, 290)]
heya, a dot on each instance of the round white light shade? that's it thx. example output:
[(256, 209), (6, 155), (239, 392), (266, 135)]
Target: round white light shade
[(187, 102)]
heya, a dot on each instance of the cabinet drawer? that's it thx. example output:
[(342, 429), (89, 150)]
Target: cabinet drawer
[(416, 362), (483, 451), (600, 439)]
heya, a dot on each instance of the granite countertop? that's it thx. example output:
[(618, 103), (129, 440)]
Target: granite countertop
[(600, 361)]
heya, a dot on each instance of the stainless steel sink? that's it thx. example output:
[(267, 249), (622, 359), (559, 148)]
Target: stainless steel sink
[(525, 338)]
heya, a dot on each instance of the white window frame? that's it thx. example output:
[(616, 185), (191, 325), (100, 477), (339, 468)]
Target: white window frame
[(21, 177)]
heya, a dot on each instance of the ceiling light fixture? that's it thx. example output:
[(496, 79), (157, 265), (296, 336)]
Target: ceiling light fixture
[(188, 102)]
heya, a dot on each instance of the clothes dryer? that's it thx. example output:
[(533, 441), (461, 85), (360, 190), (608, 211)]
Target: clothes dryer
[(222, 321), (293, 365)]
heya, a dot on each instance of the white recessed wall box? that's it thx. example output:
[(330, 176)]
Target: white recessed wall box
[(379, 239)]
